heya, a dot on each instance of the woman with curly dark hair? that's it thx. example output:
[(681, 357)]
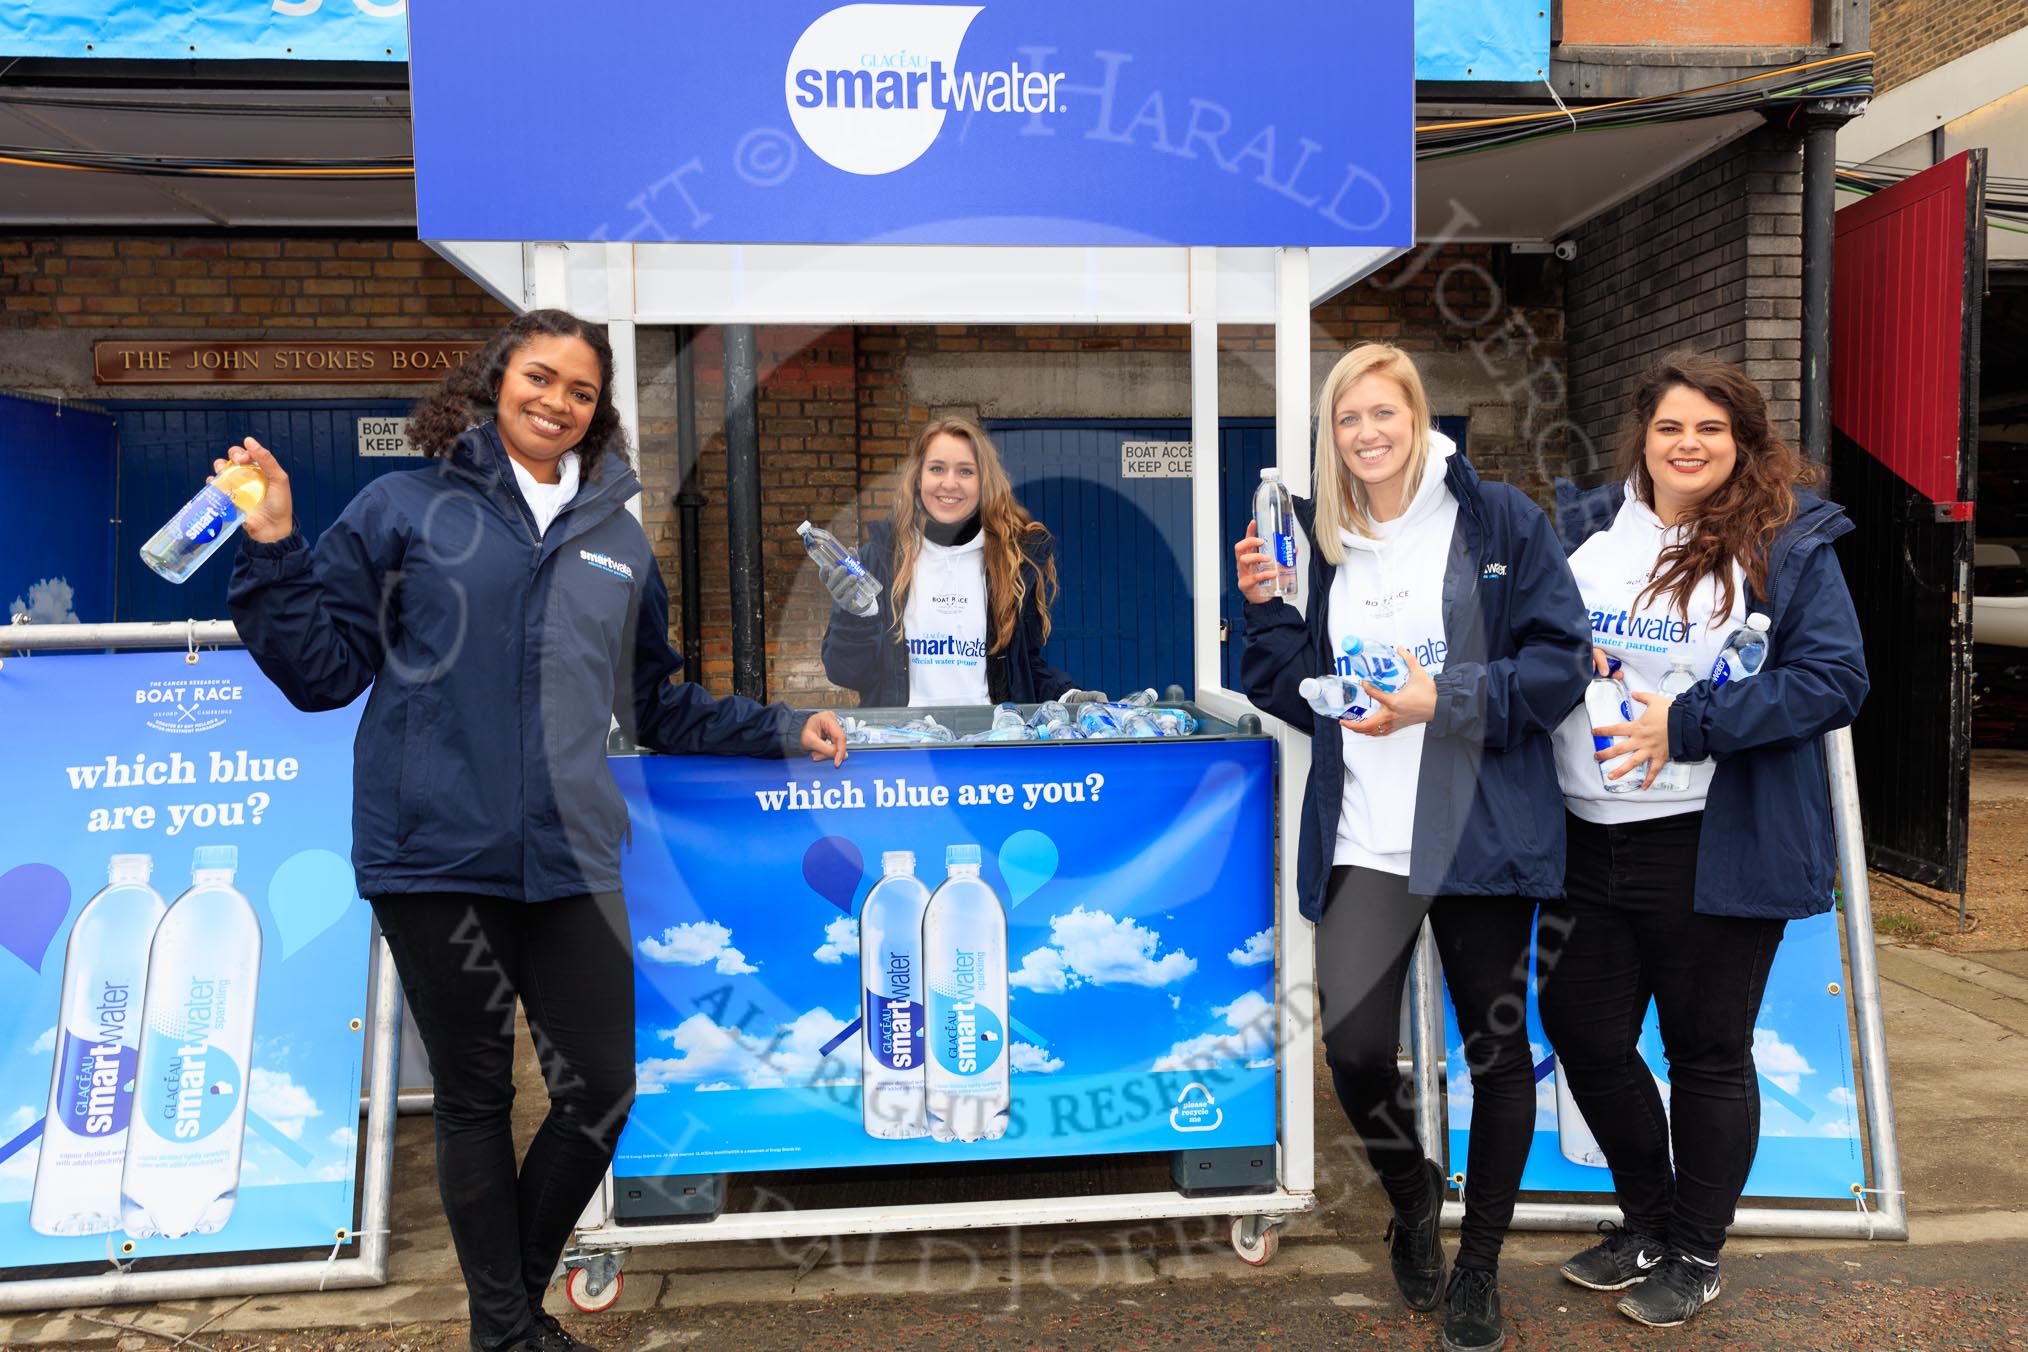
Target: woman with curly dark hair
[(501, 609), (1709, 827)]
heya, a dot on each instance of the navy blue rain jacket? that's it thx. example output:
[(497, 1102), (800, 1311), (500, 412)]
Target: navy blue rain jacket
[(1488, 813), (497, 661), (1768, 848), (863, 652)]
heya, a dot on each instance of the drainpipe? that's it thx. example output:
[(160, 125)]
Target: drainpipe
[(742, 505)]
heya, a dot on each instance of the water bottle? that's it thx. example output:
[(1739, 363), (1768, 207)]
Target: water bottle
[(205, 522), (862, 598), (1098, 720), (1274, 516), (1333, 697), (183, 1146), (891, 1042), (1142, 699), (1374, 663), (1675, 776), (964, 953), (1171, 722), (1745, 652), (1605, 701), (98, 1039), (1053, 720), (1008, 725)]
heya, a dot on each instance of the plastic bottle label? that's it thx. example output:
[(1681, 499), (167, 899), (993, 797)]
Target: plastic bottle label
[(1285, 550), (204, 516), (93, 1099), (897, 1031), (966, 1035), (190, 1088), (852, 566)]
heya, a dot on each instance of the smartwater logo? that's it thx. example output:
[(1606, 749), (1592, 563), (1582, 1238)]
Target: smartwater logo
[(1494, 572), (1653, 628), (868, 85), (946, 645), (607, 562)]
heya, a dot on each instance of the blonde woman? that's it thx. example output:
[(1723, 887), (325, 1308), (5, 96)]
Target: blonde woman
[(1439, 803), (967, 578)]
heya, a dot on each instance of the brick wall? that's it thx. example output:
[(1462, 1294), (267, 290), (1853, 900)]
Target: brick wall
[(1912, 37), (279, 285), (1711, 259)]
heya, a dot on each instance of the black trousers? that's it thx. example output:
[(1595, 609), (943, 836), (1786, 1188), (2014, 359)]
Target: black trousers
[(1627, 933), (463, 962), (1364, 944)]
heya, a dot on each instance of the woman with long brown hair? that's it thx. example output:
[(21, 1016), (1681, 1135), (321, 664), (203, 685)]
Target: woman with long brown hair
[(967, 578), (1678, 888)]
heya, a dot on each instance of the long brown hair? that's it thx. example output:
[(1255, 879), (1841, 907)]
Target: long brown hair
[(1002, 520), (1738, 523)]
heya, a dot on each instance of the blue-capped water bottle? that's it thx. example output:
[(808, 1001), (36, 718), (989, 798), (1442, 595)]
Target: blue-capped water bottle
[(964, 943), (843, 575), (892, 1046), (1274, 517), (98, 1039), (1675, 776), (1374, 663), (1606, 702), (1746, 652), (183, 1145), (205, 522)]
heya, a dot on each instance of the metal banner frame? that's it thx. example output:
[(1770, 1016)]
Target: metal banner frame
[(1878, 1212), (368, 1267)]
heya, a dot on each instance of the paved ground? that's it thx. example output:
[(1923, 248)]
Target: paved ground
[(1957, 1027)]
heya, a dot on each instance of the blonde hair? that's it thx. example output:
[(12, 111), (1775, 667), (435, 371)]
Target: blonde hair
[(1002, 520), (1341, 498)]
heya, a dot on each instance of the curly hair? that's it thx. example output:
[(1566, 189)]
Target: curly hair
[(470, 395), (1737, 524), (1002, 520)]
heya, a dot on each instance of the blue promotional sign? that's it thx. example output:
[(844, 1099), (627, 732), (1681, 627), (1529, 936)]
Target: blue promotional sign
[(1075, 957), (183, 986), (1030, 122), (1809, 1109), (1482, 40), (206, 30)]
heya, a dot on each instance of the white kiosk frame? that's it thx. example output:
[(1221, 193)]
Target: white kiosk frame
[(632, 283)]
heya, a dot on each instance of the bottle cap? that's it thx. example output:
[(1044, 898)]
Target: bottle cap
[(956, 856), (1351, 644), (1271, 472), (805, 528), (213, 857), (130, 868), (1613, 665), (1758, 621), (1308, 687), (897, 861)]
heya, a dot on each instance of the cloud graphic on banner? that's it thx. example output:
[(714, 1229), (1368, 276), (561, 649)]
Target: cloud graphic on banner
[(1779, 1061), (1092, 947), (285, 1104), (708, 1054), (1247, 1038), (17, 1171), (1028, 1059), (44, 1043), (841, 941), (310, 893), (49, 601), (1841, 1097), (1256, 950), (342, 1138), (695, 943), (34, 899)]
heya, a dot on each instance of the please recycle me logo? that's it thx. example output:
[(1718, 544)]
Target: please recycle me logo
[(1196, 1110)]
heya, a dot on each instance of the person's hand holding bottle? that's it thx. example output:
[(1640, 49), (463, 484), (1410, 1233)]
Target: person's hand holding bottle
[(270, 515)]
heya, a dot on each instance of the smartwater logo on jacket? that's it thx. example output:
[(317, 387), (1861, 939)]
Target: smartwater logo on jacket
[(608, 563), (868, 85)]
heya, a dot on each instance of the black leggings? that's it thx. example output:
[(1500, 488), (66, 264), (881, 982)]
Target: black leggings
[(1364, 944), (1628, 933), (463, 960)]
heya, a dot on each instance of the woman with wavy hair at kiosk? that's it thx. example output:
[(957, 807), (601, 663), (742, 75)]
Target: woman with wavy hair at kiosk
[(1438, 803), (1703, 826)]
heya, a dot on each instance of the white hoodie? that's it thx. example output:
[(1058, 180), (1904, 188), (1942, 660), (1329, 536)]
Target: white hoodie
[(1390, 591), (945, 624)]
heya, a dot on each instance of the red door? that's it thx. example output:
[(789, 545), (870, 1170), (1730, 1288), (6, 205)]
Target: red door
[(1909, 277)]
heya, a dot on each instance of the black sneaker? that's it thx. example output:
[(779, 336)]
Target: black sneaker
[(1472, 1312), (1616, 1263), (551, 1336), (1679, 1287), (1416, 1252)]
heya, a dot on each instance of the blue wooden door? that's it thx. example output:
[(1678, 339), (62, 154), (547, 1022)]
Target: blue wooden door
[(56, 557), (166, 450)]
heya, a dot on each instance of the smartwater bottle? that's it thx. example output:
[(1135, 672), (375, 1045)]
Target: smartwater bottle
[(1333, 696), (183, 1148), (964, 953), (1606, 701), (862, 596), (1675, 776), (207, 521), (1374, 663), (1053, 720), (1274, 517), (1746, 652), (98, 1039), (891, 1041)]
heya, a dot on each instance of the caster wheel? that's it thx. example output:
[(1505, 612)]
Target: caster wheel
[(577, 1287), (1255, 1239)]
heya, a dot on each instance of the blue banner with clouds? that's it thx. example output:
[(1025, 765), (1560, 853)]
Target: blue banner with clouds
[(1134, 887), (206, 30), (1809, 1106), (183, 1080)]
